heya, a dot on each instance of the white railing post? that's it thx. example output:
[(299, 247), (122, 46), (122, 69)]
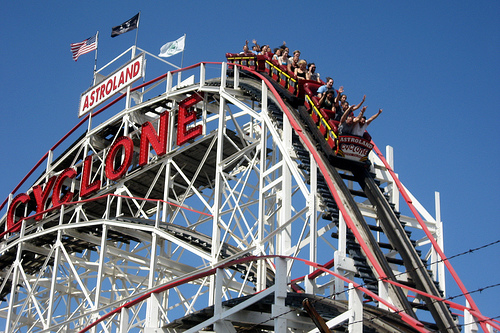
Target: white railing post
[(223, 76), (169, 82), (50, 157), (202, 75), (394, 195), (236, 74), (440, 268)]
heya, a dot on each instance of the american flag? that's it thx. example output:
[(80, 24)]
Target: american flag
[(88, 45)]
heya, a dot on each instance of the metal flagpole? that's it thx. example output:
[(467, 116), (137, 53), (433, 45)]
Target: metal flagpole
[(136, 34), (182, 62), (96, 46), (132, 57), (182, 59), (95, 72)]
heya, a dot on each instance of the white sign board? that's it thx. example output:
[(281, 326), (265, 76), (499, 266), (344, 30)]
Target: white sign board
[(120, 79)]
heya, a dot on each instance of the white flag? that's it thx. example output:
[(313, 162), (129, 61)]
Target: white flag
[(172, 48)]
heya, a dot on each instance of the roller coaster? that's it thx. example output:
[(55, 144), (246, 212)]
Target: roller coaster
[(226, 202)]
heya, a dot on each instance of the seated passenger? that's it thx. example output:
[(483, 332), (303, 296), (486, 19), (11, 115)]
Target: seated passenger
[(344, 105), (277, 53), (245, 49), (343, 99), (360, 127), (347, 122), (301, 72), (327, 101), (283, 60), (264, 49), (294, 61), (339, 110), (324, 88), (255, 47), (336, 105), (311, 67)]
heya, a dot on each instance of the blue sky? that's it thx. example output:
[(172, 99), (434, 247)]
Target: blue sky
[(431, 65)]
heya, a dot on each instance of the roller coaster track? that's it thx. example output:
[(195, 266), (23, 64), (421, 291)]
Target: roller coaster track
[(209, 234)]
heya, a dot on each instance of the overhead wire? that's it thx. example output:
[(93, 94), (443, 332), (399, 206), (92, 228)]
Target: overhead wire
[(470, 251), (379, 316)]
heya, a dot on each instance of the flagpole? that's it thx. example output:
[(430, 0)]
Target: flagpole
[(136, 34), (96, 46), (182, 59), (182, 62)]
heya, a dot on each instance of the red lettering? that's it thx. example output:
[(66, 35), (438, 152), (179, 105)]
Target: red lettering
[(127, 145), (56, 195), (92, 97), (186, 117), (129, 73), (41, 196), (12, 225), (122, 79), (114, 83), (86, 103), (101, 95), (109, 86), (148, 136), (137, 66), (97, 97), (87, 188)]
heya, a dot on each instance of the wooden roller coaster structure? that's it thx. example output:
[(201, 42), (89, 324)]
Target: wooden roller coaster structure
[(224, 203)]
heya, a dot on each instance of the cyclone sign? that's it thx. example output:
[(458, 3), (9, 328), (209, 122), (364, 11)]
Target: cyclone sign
[(120, 79), (354, 148), (114, 167)]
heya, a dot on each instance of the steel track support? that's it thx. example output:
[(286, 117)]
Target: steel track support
[(100, 274), (342, 263), (284, 237), (152, 313), (220, 325), (14, 296), (279, 310), (355, 309), (57, 259), (261, 264), (313, 224), (218, 194), (124, 320)]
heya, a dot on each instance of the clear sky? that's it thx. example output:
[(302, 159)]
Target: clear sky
[(433, 66)]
